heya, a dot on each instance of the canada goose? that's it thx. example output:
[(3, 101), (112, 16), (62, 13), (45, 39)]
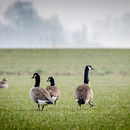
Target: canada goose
[(53, 90), (3, 84), (83, 93), (39, 95)]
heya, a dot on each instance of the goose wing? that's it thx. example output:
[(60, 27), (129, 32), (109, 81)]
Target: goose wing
[(53, 91), (41, 94), (82, 92)]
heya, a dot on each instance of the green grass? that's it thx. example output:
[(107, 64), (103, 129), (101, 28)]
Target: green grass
[(64, 61), (110, 83)]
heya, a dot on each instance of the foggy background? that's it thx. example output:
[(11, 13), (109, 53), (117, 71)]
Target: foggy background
[(64, 24)]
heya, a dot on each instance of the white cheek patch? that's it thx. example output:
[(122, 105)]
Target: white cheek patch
[(34, 76), (89, 68)]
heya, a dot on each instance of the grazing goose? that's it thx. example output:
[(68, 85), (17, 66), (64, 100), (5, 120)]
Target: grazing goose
[(3, 84), (53, 90), (83, 93), (39, 95)]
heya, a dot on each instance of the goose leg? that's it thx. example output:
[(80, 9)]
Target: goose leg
[(91, 105), (80, 106), (55, 102), (42, 108), (38, 106)]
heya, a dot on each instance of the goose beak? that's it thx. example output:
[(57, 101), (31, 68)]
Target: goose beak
[(92, 68), (47, 81), (32, 77), (6, 79)]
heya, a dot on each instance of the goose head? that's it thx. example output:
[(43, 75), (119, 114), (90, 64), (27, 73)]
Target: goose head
[(35, 75), (4, 79), (50, 79), (89, 67)]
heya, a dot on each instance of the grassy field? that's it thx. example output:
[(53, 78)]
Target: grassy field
[(110, 82)]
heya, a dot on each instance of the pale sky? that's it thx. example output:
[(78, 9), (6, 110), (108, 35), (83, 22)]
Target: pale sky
[(75, 14)]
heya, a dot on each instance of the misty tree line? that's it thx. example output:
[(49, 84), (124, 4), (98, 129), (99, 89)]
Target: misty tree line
[(26, 29)]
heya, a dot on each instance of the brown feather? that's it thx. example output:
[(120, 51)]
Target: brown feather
[(84, 92), (53, 91), (41, 94)]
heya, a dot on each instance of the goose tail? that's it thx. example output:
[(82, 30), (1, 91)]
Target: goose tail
[(43, 102), (49, 102), (81, 101)]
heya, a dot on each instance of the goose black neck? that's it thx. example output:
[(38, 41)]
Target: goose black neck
[(86, 79), (52, 82), (37, 81)]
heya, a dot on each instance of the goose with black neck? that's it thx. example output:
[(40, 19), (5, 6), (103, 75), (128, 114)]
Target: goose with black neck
[(53, 90), (39, 95), (83, 93)]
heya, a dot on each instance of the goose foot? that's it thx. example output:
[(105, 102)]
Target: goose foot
[(91, 105)]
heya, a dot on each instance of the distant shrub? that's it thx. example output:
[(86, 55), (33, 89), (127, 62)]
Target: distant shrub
[(39, 71)]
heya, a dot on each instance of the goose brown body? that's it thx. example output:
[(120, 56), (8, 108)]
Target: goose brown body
[(3, 84), (83, 93), (53, 90)]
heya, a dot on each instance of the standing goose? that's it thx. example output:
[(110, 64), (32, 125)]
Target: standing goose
[(3, 84), (83, 93), (53, 90), (39, 95)]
